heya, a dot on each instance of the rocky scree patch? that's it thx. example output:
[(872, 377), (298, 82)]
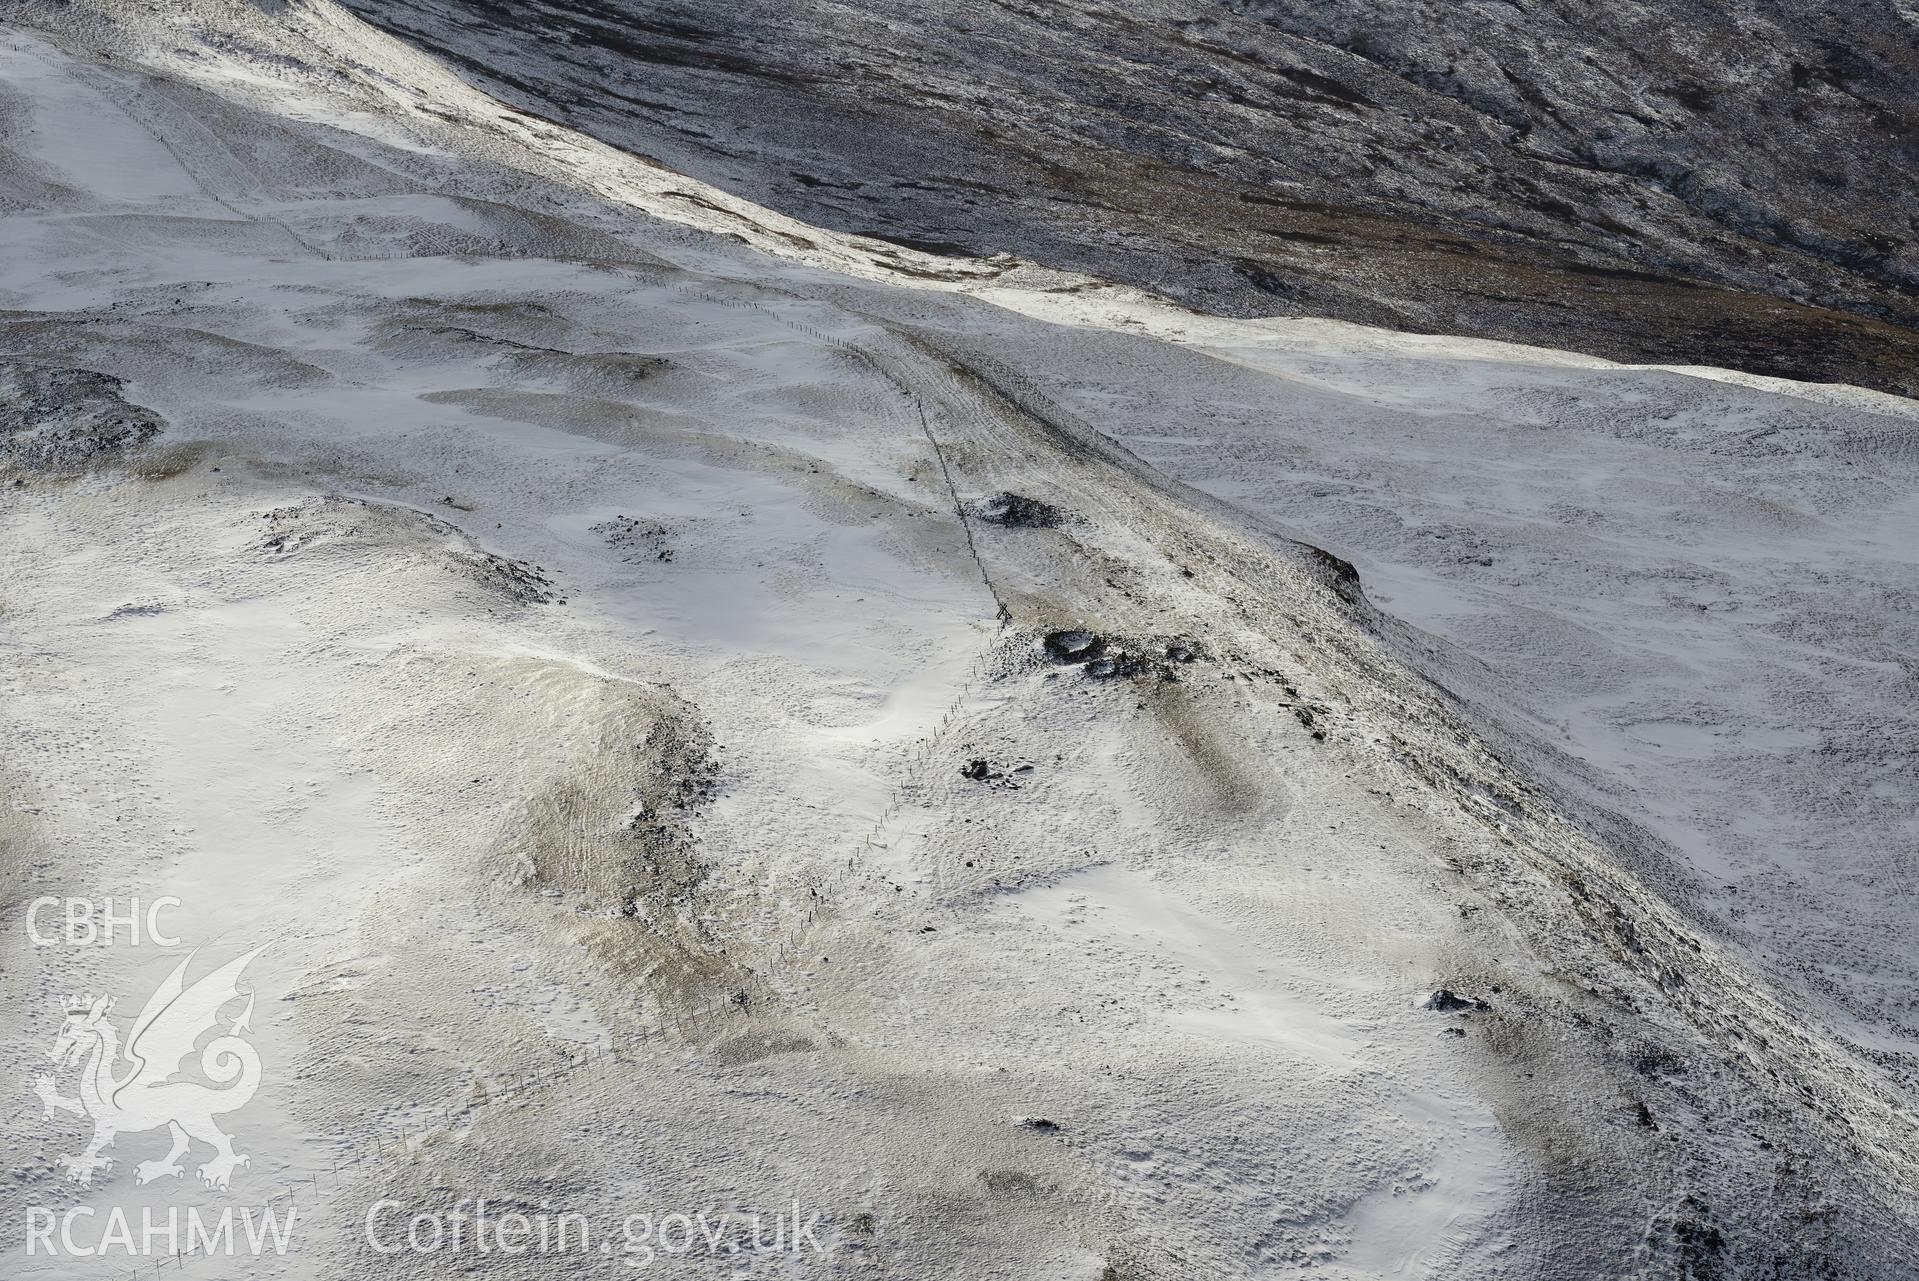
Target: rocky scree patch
[(61, 420)]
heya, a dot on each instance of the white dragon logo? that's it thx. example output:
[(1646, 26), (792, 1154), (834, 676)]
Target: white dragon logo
[(146, 1096)]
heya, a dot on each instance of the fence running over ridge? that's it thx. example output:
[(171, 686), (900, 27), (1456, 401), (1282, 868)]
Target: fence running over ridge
[(388, 1142)]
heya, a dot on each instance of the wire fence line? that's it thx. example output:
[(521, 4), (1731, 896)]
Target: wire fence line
[(882, 834), (745, 304), (919, 408), (889, 829)]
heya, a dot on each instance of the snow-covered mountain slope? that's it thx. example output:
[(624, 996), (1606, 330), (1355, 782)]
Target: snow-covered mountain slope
[(1702, 591), (1696, 182), (572, 617)]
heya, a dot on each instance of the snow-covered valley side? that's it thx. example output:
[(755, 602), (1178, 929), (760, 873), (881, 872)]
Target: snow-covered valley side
[(563, 613), (1701, 590)]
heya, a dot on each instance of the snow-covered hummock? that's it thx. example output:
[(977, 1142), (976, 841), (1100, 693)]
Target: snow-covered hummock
[(565, 610)]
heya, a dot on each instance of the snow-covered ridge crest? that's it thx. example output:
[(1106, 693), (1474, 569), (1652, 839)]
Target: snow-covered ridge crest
[(311, 60), (529, 398), (314, 61)]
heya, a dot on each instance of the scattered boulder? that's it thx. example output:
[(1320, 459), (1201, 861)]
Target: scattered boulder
[(637, 539), (1446, 1001), (1039, 1123), (1123, 663), (1015, 511), (1073, 645), (981, 770), (1111, 657)]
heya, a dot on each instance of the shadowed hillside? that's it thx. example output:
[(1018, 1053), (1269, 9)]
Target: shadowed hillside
[(1671, 183)]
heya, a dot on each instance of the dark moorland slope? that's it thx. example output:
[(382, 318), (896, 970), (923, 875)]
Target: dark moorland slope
[(1692, 181)]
